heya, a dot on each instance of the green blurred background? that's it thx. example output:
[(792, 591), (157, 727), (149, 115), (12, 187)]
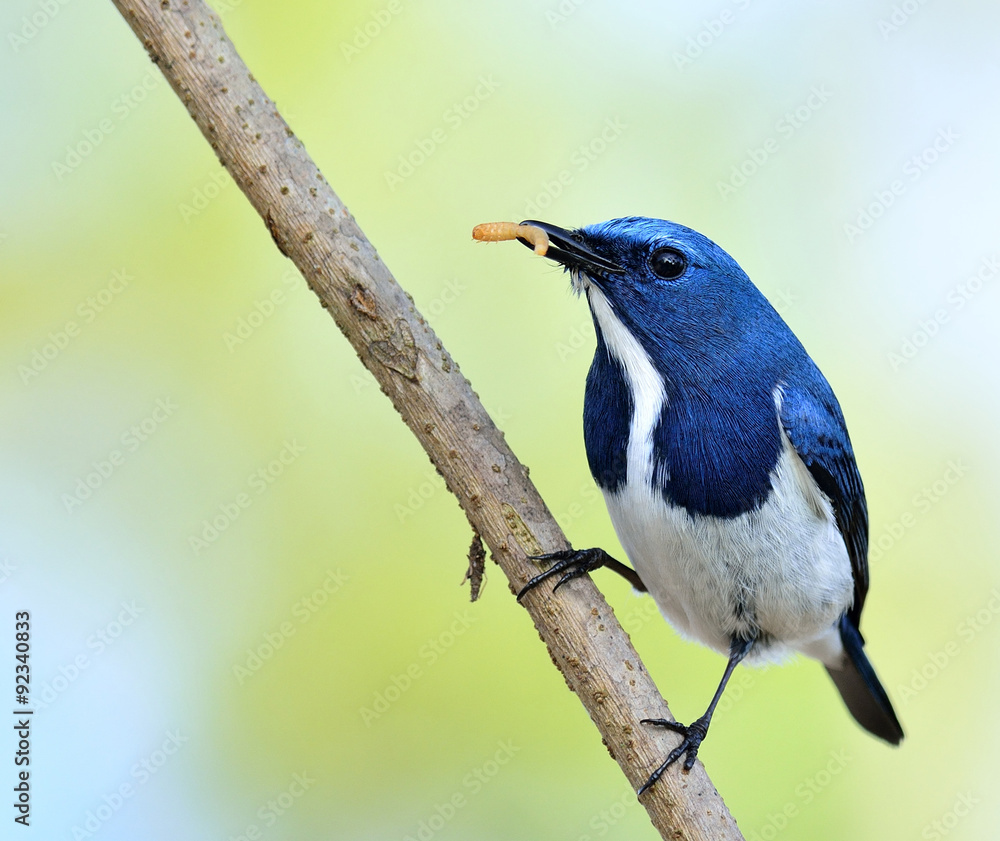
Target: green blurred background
[(313, 670)]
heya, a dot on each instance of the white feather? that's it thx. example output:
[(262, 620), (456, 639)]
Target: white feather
[(645, 383), (786, 561)]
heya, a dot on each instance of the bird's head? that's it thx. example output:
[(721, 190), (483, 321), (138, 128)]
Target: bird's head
[(679, 294)]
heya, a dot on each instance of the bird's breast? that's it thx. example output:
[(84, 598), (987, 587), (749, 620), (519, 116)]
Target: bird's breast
[(715, 509), (780, 571), (707, 446)]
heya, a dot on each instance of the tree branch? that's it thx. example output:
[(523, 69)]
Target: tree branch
[(310, 225)]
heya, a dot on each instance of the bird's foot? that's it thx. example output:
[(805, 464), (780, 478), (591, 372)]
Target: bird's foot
[(571, 563), (694, 734)]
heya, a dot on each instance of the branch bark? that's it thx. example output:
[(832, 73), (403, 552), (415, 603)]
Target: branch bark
[(310, 225)]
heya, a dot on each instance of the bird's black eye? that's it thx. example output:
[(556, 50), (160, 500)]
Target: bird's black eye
[(668, 263)]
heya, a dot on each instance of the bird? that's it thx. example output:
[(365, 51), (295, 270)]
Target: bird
[(724, 461)]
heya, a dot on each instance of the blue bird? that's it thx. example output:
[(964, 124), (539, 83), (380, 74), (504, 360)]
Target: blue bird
[(724, 460)]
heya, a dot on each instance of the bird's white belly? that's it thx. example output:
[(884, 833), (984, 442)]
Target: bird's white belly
[(781, 570)]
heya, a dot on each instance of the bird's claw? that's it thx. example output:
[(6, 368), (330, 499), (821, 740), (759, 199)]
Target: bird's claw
[(693, 734), (572, 563)]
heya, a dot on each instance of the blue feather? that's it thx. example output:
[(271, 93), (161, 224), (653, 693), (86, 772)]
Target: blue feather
[(724, 459)]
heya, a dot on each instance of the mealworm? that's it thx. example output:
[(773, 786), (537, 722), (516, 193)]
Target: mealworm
[(503, 231)]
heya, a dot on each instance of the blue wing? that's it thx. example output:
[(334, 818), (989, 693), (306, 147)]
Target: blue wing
[(813, 422)]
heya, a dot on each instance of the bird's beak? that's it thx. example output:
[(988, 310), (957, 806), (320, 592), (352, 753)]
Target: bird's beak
[(566, 248)]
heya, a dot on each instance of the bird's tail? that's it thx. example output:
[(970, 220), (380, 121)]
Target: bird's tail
[(860, 688)]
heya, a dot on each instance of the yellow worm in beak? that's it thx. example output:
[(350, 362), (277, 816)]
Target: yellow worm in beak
[(503, 231)]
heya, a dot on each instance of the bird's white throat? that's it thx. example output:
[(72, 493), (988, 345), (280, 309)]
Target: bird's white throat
[(645, 384)]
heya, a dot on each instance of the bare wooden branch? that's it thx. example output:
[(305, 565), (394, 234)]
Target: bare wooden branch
[(310, 225)]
